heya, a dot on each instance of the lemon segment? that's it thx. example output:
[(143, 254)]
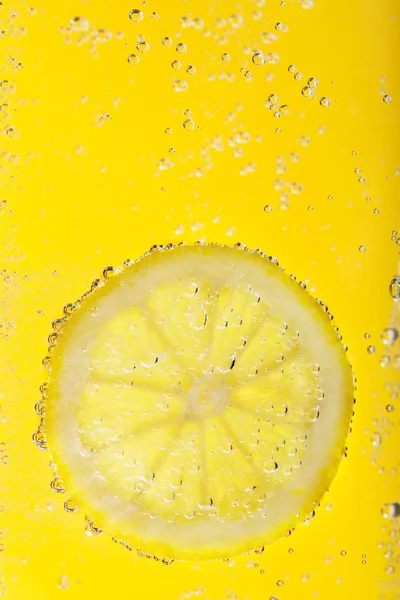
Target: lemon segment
[(198, 403)]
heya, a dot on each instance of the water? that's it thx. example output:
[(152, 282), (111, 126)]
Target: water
[(99, 162)]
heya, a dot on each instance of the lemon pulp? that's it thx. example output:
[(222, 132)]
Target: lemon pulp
[(198, 402)]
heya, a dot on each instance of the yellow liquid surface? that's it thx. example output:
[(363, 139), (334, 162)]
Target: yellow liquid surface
[(101, 158)]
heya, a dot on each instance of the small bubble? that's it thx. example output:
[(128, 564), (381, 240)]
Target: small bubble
[(110, 272), (103, 35), (313, 82), (298, 76), (91, 528), (133, 59), (387, 98), (390, 570), (168, 130), (371, 349), (389, 336), (181, 48), (279, 26), (70, 506), (136, 15), (267, 208), (279, 583), (188, 124), (179, 230), (248, 75), (307, 91), (236, 21), (376, 211), (273, 98), (79, 24), (384, 361), (226, 57), (343, 553), (389, 408), (258, 59), (325, 102), (63, 582), (176, 64), (57, 485), (362, 248), (394, 288), (180, 86), (143, 46), (166, 41), (391, 510), (191, 69), (291, 68), (230, 231), (376, 439), (11, 132)]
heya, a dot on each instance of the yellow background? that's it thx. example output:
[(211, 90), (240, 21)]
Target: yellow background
[(81, 139)]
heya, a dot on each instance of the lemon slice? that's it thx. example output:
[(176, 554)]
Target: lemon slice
[(198, 402)]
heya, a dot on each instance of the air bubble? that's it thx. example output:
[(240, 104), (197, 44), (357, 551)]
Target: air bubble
[(133, 59), (307, 91), (291, 68), (362, 248), (313, 82), (79, 24), (371, 349), (188, 124), (180, 86), (391, 510), (91, 528), (298, 76), (258, 59), (63, 582), (394, 288), (136, 15), (191, 69), (389, 408), (143, 46), (226, 57), (387, 98), (109, 272), (236, 21), (166, 41), (389, 336), (384, 361), (103, 35), (267, 208), (325, 102), (57, 485), (376, 439), (70, 506)]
